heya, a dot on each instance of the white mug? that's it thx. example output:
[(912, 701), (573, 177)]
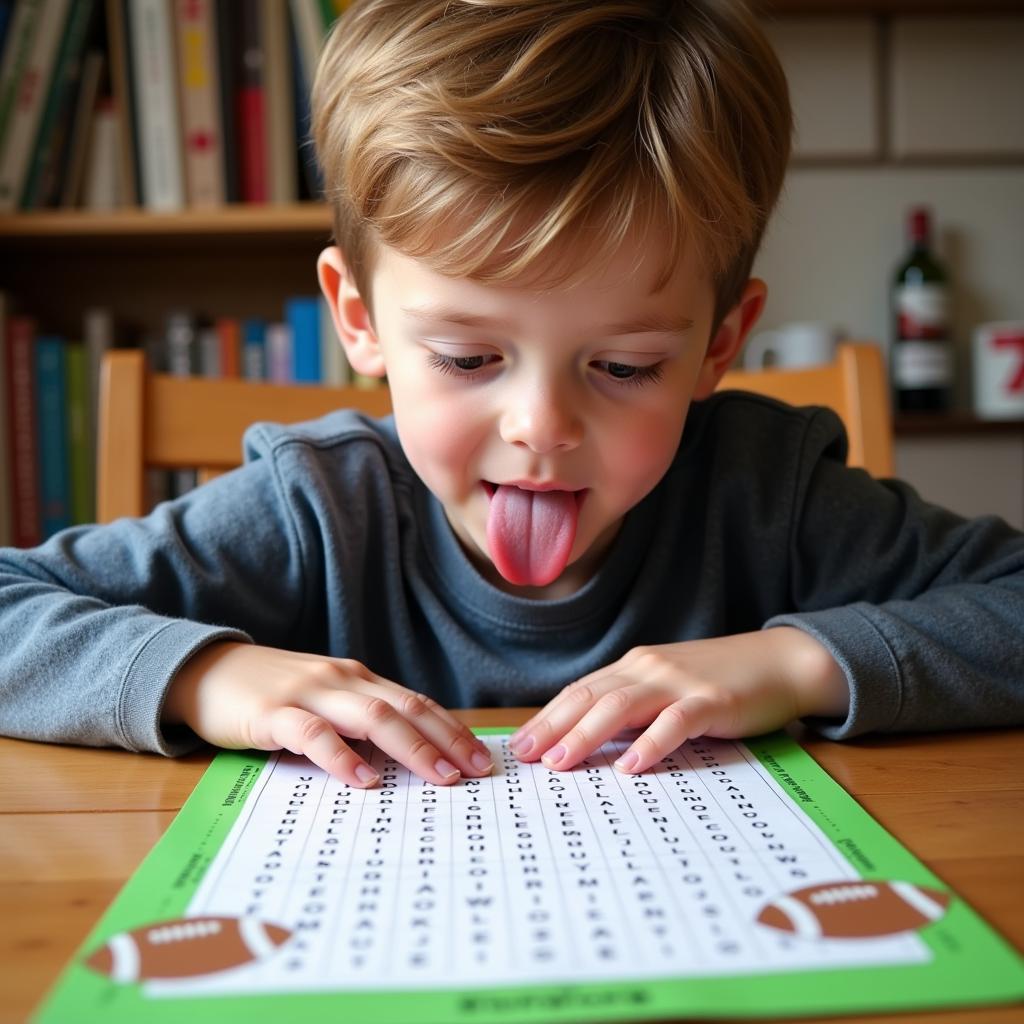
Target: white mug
[(807, 343), (999, 370)]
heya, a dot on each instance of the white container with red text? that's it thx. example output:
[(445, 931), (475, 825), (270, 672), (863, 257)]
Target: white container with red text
[(998, 364)]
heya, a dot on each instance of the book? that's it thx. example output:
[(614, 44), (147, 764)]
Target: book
[(279, 353), (101, 176), (334, 365), (156, 105), (17, 47), (81, 461), (27, 110), (181, 340), (302, 315), (98, 338), (198, 76), (52, 428), (65, 188), (227, 40), (279, 104), (306, 38), (208, 347), (119, 57), (21, 411), (254, 349), (60, 101), (250, 102), (229, 335)]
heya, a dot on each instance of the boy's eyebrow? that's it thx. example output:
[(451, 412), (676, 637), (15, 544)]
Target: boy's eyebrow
[(651, 323)]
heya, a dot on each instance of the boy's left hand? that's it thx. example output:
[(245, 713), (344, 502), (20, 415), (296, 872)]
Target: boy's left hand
[(727, 687)]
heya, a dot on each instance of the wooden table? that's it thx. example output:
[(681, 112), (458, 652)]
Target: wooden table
[(75, 823)]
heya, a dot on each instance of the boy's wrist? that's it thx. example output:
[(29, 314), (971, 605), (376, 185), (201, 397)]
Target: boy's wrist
[(180, 700), (819, 682)]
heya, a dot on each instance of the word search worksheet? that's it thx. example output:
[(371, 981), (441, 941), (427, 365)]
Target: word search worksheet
[(734, 878)]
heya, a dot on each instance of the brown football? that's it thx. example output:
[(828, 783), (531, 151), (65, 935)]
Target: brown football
[(854, 910), (186, 948)]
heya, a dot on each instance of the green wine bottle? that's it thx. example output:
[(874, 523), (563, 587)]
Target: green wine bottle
[(921, 364)]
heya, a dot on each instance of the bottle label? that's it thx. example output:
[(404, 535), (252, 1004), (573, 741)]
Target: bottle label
[(922, 311), (921, 364)]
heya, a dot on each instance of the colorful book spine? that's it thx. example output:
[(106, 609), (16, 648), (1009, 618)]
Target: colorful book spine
[(80, 458), (156, 111), (60, 100), (27, 112), (21, 406), (302, 314), (52, 425), (200, 102), (229, 339), (254, 349), (250, 102), (279, 353)]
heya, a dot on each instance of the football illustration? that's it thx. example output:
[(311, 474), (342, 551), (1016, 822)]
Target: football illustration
[(186, 948), (854, 910)]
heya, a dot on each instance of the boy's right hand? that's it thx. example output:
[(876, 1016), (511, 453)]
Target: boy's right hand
[(238, 695)]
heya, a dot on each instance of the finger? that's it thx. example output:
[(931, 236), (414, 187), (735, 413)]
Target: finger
[(555, 720), (560, 698), (610, 714), (680, 721), (373, 718), (452, 740), (304, 733)]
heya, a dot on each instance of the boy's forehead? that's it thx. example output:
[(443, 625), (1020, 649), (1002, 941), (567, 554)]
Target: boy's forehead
[(635, 269)]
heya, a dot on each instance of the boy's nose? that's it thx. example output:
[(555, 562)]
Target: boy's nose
[(543, 421)]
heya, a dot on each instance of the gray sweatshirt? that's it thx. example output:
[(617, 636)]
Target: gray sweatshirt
[(326, 541)]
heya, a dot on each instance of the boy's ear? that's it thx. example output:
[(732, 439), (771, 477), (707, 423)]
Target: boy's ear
[(729, 338), (352, 320)]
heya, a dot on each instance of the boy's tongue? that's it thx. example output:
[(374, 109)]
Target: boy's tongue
[(530, 533)]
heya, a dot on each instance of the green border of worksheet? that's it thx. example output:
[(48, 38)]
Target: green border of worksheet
[(971, 965)]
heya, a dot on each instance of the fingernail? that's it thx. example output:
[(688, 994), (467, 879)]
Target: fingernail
[(481, 762), (628, 761), (522, 746), (445, 768), (555, 754), (365, 774)]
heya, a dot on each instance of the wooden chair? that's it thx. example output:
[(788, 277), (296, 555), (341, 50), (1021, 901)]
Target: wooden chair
[(854, 385), (153, 420), (157, 421)]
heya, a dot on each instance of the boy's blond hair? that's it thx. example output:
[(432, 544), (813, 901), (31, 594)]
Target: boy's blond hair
[(479, 135)]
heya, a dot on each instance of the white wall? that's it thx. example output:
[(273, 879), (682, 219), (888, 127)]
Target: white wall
[(892, 113)]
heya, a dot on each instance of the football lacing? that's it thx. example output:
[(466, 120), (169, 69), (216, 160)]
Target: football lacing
[(197, 929), (844, 894)]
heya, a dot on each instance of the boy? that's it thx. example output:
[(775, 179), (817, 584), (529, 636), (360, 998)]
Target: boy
[(546, 213)]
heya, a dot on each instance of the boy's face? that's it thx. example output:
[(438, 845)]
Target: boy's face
[(539, 418)]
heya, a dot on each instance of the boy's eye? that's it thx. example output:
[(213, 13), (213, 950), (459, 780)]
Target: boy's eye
[(626, 373), (459, 366)]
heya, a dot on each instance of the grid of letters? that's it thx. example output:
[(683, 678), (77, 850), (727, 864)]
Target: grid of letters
[(527, 875)]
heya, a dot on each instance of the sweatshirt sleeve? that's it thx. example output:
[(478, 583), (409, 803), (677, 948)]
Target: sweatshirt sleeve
[(924, 610), (95, 622)]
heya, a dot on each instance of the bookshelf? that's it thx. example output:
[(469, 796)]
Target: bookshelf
[(238, 260)]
